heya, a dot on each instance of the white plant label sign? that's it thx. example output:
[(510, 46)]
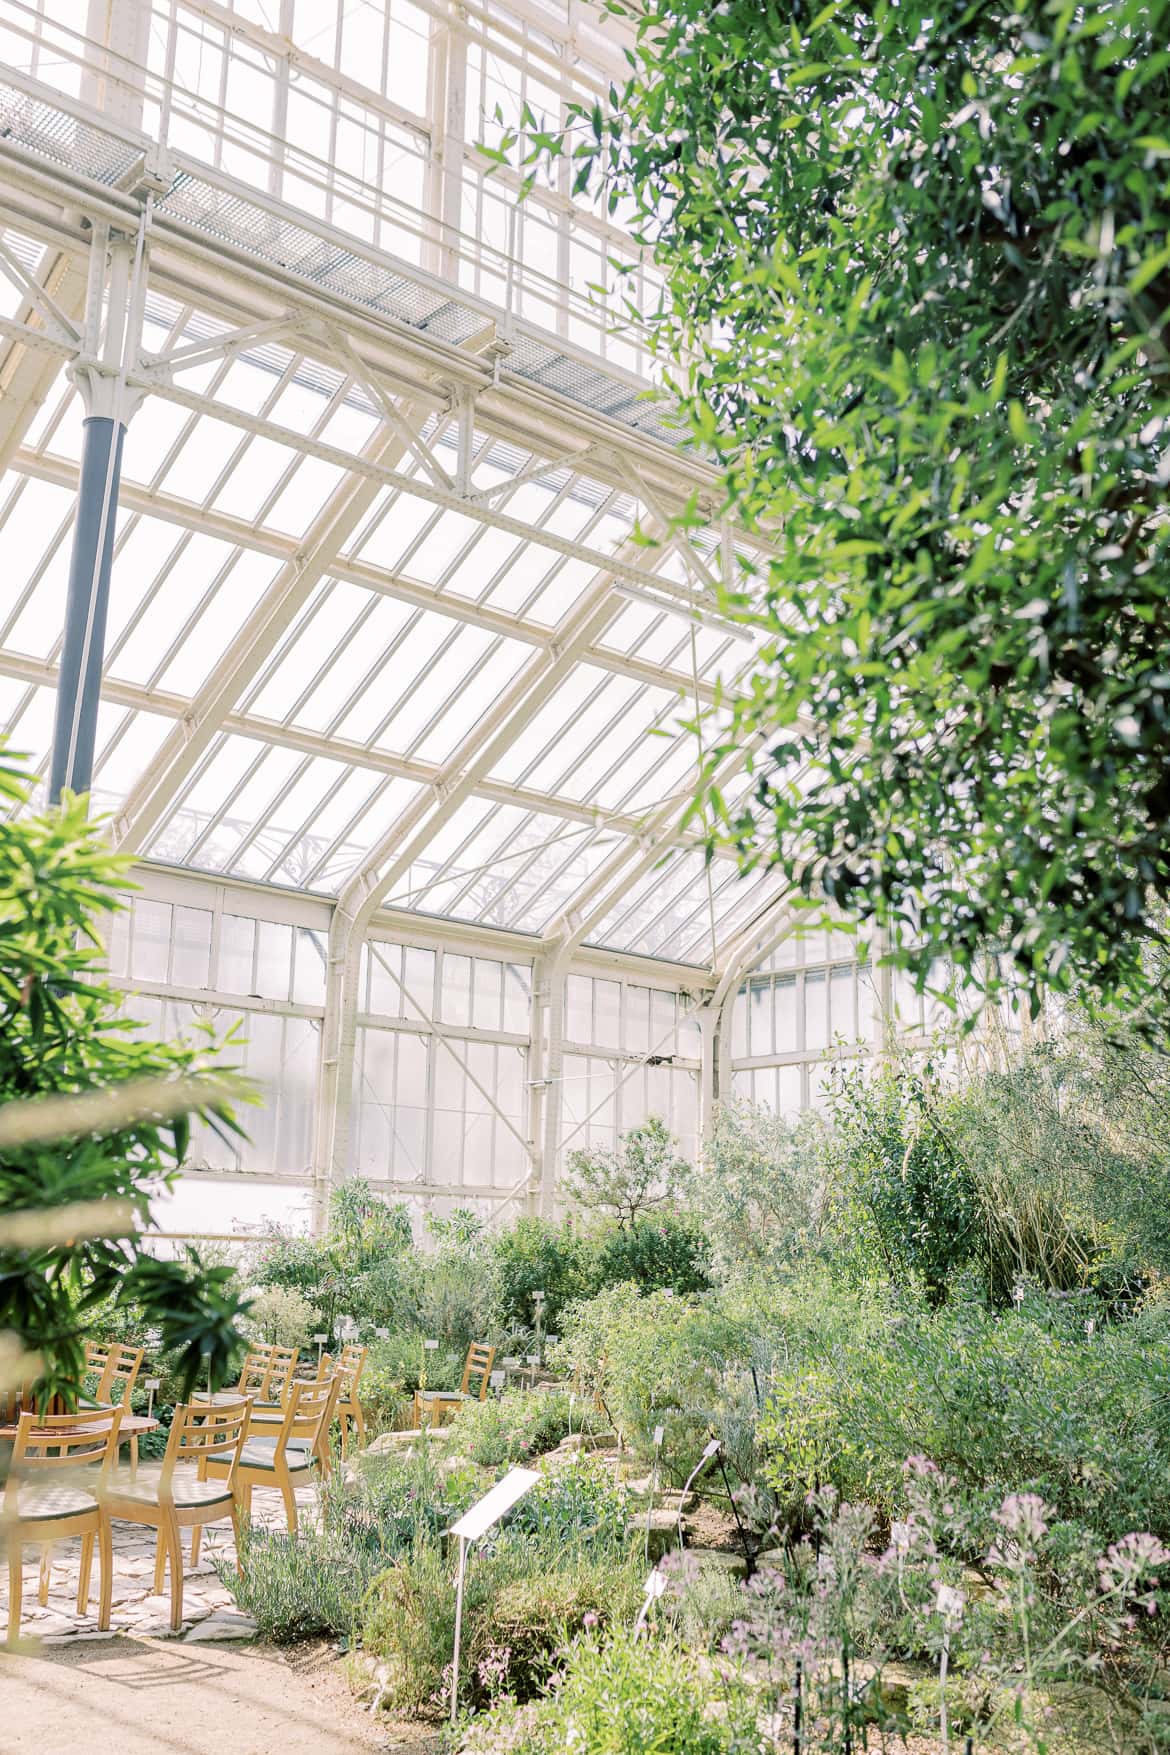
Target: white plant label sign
[(493, 1505)]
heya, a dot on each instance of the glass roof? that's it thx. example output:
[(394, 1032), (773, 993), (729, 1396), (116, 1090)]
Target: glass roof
[(476, 694)]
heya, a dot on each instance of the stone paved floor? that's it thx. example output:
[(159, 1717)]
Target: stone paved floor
[(208, 1609)]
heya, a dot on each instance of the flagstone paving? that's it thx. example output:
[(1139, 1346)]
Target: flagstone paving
[(209, 1612)]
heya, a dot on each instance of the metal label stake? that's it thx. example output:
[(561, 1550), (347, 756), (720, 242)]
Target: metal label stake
[(469, 1528)]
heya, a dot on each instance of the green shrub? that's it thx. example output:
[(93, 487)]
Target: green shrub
[(396, 1366), (298, 1587), (316, 1582), (514, 1427), (1004, 1402), (283, 1317), (901, 1178), (522, 1603), (645, 1173), (618, 1696), (666, 1252), (761, 1189), (662, 1361), (535, 1255), (579, 1506)]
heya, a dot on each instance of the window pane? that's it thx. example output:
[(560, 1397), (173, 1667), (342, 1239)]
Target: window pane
[(488, 996), (273, 960), (787, 1039), (760, 1018), (152, 940), (456, 996), (237, 937), (579, 1008), (816, 1012), (517, 998), (309, 967), (607, 999), (842, 1005)]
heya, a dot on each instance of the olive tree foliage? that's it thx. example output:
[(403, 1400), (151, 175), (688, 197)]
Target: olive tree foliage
[(62, 1033), (917, 286), (643, 1173), (761, 1186)]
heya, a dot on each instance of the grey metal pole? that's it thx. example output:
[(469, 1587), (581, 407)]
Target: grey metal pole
[(80, 678)]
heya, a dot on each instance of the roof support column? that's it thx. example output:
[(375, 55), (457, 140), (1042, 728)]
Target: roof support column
[(537, 1013), (554, 1068), (100, 375), (709, 1019)]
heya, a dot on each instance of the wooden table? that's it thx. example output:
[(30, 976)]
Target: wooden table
[(133, 1426)]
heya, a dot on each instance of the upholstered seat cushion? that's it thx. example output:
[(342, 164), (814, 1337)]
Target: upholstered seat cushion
[(36, 1503), (260, 1453), (188, 1489)]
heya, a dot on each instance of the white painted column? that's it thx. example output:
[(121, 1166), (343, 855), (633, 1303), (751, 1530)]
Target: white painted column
[(554, 1066)]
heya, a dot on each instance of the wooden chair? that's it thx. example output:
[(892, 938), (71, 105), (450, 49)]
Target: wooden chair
[(252, 1384), (201, 1435), (351, 1362), (116, 1367), (437, 1403), (281, 1367), (265, 1417), (292, 1452), (45, 1510)]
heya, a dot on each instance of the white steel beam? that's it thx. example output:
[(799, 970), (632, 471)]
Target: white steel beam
[(28, 372), (238, 533), (150, 799), (472, 761)]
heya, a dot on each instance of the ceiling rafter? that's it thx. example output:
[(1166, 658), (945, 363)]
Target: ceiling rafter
[(478, 753), (285, 597), (239, 533)]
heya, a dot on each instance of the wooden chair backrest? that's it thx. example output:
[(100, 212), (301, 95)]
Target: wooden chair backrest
[(255, 1370), (309, 1410), (200, 1434), (280, 1369), (351, 1363), (479, 1364), (50, 1442), (117, 1367)]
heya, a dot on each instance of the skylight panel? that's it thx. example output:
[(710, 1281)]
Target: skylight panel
[(312, 483), (354, 845), (483, 684), (217, 618), (293, 674)]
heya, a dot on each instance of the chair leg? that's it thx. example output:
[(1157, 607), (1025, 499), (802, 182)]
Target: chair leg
[(134, 1456), (15, 1585), (343, 1422), (106, 1561), (290, 1504), (359, 1420), (46, 1574), (238, 1534), (175, 1545), (84, 1574), (160, 1561), (196, 1536)]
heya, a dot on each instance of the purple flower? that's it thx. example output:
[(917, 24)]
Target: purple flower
[(1024, 1516)]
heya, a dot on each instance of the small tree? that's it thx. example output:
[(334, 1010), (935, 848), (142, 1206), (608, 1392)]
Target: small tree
[(645, 1172), (62, 1033), (917, 304), (761, 1187), (902, 1175)]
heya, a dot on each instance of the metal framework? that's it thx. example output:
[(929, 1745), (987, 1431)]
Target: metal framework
[(362, 622)]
